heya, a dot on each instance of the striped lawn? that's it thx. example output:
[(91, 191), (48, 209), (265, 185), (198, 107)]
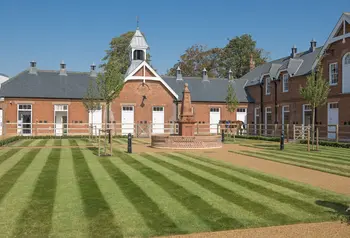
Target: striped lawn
[(69, 192), (330, 160)]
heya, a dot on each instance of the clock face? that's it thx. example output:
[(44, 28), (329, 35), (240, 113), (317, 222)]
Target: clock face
[(143, 89)]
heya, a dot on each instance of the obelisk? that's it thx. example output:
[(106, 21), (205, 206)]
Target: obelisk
[(186, 123)]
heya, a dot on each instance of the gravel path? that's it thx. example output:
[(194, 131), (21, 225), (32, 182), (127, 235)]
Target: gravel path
[(311, 230)]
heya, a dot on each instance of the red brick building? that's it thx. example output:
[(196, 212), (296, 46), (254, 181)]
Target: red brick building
[(41, 102), (275, 86)]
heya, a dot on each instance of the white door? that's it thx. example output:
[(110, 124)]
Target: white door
[(242, 115), (214, 120), (59, 125), (333, 119), (346, 73), (127, 120), (158, 120), (95, 120)]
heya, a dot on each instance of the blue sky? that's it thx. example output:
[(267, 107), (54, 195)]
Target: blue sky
[(79, 32)]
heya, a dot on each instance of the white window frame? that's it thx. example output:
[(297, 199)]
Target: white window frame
[(285, 108), (306, 109), (285, 82), (267, 86), (332, 75), (60, 108)]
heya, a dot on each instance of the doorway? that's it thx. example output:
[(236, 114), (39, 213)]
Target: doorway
[(24, 119), (61, 120)]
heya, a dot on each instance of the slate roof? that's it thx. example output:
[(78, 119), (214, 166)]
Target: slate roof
[(210, 90), (47, 84), (1, 74), (300, 65)]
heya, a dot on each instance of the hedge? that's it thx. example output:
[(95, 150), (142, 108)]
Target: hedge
[(275, 139), (329, 143)]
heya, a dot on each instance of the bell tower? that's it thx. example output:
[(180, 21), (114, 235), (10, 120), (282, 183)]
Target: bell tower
[(138, 47)]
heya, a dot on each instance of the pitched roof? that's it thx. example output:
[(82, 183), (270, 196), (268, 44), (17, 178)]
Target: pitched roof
[(138, 41), (300, 65), (47, 84), (1, 74), (211, 90)]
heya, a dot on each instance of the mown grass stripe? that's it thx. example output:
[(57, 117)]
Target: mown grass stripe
[(96, 209), (118, 141), (228, 209), (8, 154), (127, 217), (11, 176), (303, 164), (213, 217), (319, 163), (302, 188), (68, 218), (19, 196), (255, 207), (57, 142), (36, 219), (294, 202), (184, 219), (154, 217), (315, 156)]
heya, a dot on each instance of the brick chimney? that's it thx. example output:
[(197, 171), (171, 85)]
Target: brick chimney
[(251, 63)]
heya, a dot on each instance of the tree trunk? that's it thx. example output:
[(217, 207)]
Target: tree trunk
[(313, 128)]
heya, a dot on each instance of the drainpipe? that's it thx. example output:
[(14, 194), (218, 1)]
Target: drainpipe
[(276, 108)]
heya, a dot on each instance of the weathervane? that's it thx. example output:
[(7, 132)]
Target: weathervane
[(137, 22)]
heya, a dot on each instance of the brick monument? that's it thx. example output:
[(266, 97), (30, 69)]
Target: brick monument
[(186, 123)]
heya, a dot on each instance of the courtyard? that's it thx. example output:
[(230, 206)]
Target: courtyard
[(61, 188)]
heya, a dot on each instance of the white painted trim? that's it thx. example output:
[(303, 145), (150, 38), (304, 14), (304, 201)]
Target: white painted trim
[(31, 118), (331, 39), (266, 85), (54, 118), (343, 64), (144, 78), (285, 91)]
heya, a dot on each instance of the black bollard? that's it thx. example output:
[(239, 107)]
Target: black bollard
[(222, 136), (129, 143), (282, 142)]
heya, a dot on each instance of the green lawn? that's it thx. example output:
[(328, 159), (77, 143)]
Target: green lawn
[(70, 192), (327, 159)]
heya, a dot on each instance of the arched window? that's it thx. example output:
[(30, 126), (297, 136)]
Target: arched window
[(139, 55), (347, 59)]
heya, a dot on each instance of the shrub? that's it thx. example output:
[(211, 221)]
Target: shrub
[(9, 140), (276, 139), (329, 143)]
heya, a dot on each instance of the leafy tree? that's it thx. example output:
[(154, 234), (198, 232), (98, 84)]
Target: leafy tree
[(231, 98), (195, 59), (91, 100), (109, 84), (118, 52), (315, 93), (236, 56)]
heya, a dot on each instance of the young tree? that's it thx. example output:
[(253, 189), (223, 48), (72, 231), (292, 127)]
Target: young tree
[(231, 98), (315, 93), (91, 100), (109, 84)]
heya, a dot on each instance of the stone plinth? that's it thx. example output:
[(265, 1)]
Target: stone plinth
[(186, 142), (186, 128)]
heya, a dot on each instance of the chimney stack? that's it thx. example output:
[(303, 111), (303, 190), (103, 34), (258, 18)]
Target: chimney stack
[(294, 51), (178, 73), (251, 63), (33, 69), (63, 70), (230, 74), (93, 72), (312, 45), (204, 75)]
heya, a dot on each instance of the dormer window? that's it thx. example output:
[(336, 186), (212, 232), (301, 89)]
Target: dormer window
[(268, 85), (139, 55)]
